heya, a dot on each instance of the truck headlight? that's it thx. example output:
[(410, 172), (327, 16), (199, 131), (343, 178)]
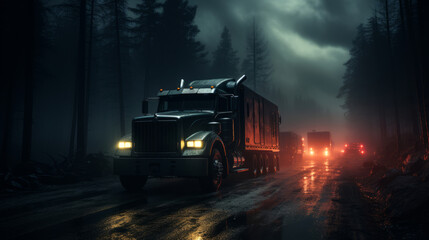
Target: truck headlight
[(194, 144), (124, 145)]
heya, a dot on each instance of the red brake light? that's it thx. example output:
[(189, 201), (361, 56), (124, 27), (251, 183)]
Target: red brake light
[(362, 152)]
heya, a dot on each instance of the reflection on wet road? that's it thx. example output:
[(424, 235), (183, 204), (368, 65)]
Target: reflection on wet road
[(292, 204)]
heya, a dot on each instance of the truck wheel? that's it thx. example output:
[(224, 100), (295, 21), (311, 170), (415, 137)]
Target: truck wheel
[(212, 182), (132, 183)]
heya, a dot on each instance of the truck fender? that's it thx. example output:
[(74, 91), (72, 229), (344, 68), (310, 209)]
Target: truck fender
[(211, 140)]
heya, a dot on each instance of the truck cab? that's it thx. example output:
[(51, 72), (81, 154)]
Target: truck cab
[(197, 131)]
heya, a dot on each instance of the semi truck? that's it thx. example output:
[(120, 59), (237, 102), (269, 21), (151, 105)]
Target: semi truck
[(207, 130), (319, 143), (291, 147)]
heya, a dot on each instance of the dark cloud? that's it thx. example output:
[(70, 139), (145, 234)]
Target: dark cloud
[(308, 39)]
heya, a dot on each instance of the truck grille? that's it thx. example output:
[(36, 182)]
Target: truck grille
[(155, 136)]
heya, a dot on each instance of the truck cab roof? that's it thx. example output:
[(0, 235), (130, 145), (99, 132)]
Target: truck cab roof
[(207, 86)]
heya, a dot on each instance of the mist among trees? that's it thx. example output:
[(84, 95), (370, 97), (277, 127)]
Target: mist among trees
[(76, 74), (385, 85)]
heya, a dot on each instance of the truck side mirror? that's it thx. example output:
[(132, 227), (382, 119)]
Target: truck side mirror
[(145, 106), (234, 103)]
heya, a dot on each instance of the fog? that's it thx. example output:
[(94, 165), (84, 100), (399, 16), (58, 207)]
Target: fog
[(306, 44), (309, 43)]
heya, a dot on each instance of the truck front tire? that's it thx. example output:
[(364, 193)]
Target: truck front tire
[(132, 183), (212, 182)]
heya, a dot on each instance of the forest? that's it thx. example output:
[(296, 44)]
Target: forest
[(76, 71), (385, 85)]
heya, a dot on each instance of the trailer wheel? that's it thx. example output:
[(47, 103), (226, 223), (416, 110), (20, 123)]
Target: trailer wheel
[(132, 183), (253, 166), (276, 163), (267, 164), (271, 161), (212, 182), (261, 166)]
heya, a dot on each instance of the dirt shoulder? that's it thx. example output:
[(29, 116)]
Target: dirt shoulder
[(353, 215)]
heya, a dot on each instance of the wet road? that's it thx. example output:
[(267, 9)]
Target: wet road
[(299, 202)]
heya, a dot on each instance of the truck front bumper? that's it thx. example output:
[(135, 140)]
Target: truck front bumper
[(161, 167)]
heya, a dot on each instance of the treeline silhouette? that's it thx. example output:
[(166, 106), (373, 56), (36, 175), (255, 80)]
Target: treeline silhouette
[(75, 71), (386, 82)]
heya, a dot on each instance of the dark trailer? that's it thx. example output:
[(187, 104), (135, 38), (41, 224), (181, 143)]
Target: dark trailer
[(291, 147), (208, 130), (319, 143)]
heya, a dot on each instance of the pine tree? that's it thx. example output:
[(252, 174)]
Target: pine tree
[(143, 33), (80, 83), (256, 64), (178, 49), (116, 45), (225, 57)]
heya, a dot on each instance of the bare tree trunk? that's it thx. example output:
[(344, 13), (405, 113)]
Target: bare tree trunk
[(414, 112), (29, 85), (393, 77), (80, 83), (254, 55), (73, 125), (417, 74), (88, 74), (119, 65), (423, 25), (379, 98), (7, 127)]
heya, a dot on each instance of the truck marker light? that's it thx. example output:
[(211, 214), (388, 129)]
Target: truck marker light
[(362, 152), (124, 145), (178, 89), (182, 144), (191, 87), (326, 153), (361, 146), (161, 90), (212, 87), (342, 150)]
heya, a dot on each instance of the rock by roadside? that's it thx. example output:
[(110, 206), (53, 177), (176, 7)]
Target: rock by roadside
[(33, 175)]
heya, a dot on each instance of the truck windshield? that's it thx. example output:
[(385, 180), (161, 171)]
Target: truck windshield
[(184, 103)]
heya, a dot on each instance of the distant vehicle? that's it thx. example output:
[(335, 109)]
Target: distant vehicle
[(319, 143), (207, 130), (353, 150), (291, 147)]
